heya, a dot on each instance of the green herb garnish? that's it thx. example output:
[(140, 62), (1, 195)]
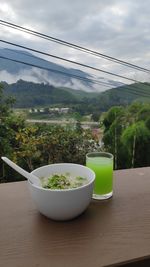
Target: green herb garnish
[(57, 182), (63, 181)]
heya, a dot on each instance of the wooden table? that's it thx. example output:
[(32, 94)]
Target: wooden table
[(109, 233)]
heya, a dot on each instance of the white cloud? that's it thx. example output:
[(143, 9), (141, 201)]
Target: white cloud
[(6, 11), (117, 28)]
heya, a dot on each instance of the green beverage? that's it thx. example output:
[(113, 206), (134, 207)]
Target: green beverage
[(102, 164)]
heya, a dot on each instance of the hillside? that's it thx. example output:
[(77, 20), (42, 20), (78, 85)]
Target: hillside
[(125, 95), (11, 71), (29, 94)]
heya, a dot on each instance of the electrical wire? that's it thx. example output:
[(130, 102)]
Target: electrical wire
[(21, 52), (33, 50), (74, 46), (56, 71), (70, 61), (144, 94)]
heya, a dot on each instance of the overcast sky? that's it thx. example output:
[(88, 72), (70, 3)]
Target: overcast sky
[(118, 28)]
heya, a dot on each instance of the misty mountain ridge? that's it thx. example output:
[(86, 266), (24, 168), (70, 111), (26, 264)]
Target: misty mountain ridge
[(29, 94), (11, 72)]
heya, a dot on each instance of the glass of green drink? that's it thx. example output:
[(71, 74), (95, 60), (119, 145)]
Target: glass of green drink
[(102, 164)]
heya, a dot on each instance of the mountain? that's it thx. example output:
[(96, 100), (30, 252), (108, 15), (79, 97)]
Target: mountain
[(124, 95), (29, 94), (11, 71)]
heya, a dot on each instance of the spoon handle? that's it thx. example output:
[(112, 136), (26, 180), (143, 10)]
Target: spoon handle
[(26, 174)]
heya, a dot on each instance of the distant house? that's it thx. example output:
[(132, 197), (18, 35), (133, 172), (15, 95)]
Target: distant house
[(59, 110), (41, 110), (50, 110), (33, 110), (64, 110), (53, 110)]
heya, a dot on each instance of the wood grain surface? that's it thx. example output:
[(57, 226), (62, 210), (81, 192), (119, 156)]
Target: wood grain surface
[(108, 233)]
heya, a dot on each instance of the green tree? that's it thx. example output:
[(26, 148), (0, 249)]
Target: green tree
[(27, 149), (96, 116), (63, 144), (144, 113), (113, 124), (126, 135), (5, 130), (136, 139), (79, 127), (147, 123)]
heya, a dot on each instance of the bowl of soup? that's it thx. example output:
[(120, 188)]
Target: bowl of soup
[(65, 192)]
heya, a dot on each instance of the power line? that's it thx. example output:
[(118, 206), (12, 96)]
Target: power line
[(56, 71), (74, 46), (136, 92), (47, 54), (74, 76), (35, 57), (110, 83), (138, 89), (70, 61)]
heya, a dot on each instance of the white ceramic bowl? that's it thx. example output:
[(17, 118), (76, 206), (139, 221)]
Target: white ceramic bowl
[(63, 204)]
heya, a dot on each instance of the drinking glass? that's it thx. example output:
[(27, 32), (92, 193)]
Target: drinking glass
[(102, 164)]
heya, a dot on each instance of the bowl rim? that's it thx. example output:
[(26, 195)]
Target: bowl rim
[(69, 189)]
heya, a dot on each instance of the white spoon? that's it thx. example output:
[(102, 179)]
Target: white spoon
[(32, 178)]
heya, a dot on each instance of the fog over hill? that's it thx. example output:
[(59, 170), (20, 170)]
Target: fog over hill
[(29, 94), (11, 72)]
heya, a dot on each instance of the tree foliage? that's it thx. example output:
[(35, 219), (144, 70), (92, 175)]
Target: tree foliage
[(127, 135), (32, 146)]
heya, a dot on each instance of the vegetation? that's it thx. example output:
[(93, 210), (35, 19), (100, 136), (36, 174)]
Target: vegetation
[(32, 146), (31, 95), (126, 135)]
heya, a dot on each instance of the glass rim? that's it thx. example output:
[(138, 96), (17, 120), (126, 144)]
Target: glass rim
[(99, 153)]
